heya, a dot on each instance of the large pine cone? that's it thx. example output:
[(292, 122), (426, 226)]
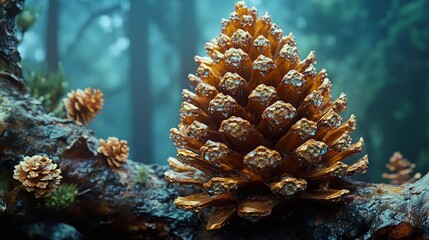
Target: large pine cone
[(82, 106), (38, 174), (261, 128)]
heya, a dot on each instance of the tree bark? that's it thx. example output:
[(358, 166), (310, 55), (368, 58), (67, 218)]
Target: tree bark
[(113, 205)]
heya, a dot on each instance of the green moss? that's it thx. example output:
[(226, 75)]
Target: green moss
[(142, 174), (49, 88), (62, 198)]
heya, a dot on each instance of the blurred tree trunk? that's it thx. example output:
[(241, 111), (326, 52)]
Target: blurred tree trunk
[(52, 55), (187, 42), (93, 17), (139, 80)]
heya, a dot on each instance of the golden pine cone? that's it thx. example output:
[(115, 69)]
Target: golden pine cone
[(261, 127), (82, 106), (38, 174), (116, 151)]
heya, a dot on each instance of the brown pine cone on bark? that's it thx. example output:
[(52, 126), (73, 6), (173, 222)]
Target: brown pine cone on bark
[(261, 127), (116, 151), (82, 106), (38, 174)]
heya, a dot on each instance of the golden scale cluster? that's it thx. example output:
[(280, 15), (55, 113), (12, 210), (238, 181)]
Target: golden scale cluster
[(261, 127)]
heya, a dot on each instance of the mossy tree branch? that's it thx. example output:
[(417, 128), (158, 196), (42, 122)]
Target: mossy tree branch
[(115, 203)]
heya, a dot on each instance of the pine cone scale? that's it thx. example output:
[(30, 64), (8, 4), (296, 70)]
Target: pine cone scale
[(220, 216), (255, 209), (199, 201)]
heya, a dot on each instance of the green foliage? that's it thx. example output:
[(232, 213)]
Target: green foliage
[(49, 88), (62, 198), (26, 19), (142, 174)]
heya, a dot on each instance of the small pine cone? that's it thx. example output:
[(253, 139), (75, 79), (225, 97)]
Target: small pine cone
[(400, 170), (261, 127), (82, 106), (38, 174), (116, 151)]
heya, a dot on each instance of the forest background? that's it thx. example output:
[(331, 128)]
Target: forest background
[(139, 53)]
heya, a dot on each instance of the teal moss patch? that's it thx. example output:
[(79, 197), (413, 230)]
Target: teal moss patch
[(142, 174)]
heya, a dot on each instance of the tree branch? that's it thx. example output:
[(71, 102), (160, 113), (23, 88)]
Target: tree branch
[(114, 205), (117, 206)]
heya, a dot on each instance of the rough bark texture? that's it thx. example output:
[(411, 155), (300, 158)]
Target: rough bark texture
[(114, 206)]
